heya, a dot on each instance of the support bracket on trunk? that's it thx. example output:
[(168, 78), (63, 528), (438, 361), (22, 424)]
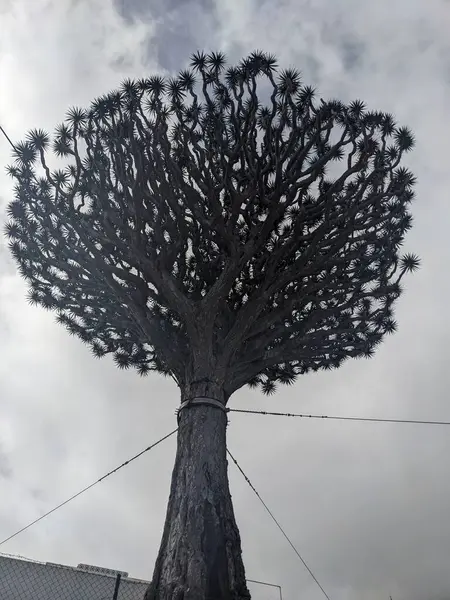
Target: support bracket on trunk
[(201, 400)]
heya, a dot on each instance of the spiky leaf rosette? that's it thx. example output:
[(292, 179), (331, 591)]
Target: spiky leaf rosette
[(199, 226)]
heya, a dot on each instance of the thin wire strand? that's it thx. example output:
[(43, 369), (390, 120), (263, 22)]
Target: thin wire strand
[(7, 136), (278, 525), (337, 418), (127, 462)]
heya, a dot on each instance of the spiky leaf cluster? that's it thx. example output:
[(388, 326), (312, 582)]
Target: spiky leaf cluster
[(196, 214)]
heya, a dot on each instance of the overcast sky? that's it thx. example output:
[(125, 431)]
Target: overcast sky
[(366, 504)]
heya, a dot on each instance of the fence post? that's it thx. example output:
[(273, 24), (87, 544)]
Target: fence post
[(270, 585), (116, 589)]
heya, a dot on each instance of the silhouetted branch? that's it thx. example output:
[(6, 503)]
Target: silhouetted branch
[(197, 223)]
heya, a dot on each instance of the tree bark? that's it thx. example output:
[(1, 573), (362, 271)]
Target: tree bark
[(200, 556)]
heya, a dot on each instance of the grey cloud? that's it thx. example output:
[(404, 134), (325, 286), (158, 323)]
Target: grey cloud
[(6, 471), (181, 27)]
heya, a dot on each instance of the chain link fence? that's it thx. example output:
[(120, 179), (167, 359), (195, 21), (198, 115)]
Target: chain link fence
[(24, 579)]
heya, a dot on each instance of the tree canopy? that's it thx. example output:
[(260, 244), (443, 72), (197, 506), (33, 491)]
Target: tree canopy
[(224, 213)]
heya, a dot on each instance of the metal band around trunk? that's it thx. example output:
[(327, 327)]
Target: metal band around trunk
[(199, 401)]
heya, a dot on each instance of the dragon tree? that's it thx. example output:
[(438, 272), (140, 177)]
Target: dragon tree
[(226, 228)]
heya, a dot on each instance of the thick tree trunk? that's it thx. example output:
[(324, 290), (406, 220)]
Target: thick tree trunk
[(200, 557)]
